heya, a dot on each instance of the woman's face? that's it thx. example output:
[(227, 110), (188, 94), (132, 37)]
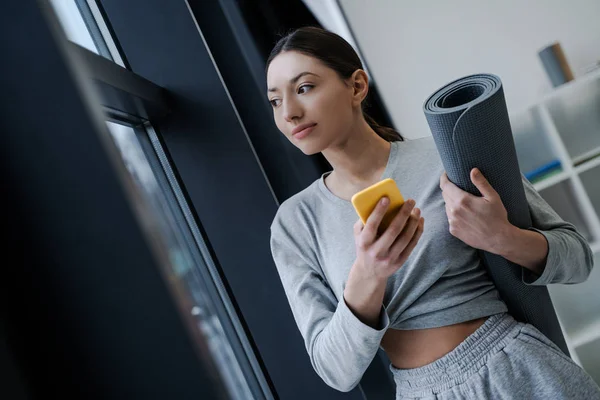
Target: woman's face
[(312, 106)]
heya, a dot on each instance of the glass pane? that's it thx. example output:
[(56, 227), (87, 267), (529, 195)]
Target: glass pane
[(187, 282), (72, 22), (84, 25)]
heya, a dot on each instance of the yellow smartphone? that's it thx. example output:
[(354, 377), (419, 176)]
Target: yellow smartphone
[(365, 201)]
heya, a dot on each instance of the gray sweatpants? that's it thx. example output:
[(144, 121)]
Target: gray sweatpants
[(503, 359)]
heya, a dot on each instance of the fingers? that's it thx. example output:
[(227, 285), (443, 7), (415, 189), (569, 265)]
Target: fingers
[(443, 180), (369, 233), (413, 242), (383, 254), (358, 227), (407, 235), (398, 235), (450, 212), (450, 189), (397, 225), (484, 186), (454, 197)]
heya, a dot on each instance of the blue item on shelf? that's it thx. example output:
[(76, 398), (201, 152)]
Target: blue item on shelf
[(542, 170)]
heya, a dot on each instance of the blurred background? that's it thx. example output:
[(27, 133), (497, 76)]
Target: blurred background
[(142, 169)]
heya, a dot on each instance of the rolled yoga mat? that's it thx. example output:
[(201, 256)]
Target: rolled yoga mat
[(470, 126)]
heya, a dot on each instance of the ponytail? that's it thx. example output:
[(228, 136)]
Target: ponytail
[(389, 134)]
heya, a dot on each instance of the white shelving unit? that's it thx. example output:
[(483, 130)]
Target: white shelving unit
[(565, 126)]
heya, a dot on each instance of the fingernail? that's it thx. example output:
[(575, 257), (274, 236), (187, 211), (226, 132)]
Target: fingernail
[(384, 201)]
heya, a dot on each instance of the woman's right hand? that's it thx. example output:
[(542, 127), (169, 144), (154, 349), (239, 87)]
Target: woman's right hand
[(379, 256)]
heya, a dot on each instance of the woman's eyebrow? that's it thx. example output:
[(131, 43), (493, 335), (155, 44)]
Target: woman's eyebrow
[(295, 79)]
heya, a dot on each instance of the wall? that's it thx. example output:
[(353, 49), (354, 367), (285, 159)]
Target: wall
[(413, 48)]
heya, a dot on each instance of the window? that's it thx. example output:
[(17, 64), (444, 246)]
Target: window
[(83, 24), (129, 102), (144, 165)]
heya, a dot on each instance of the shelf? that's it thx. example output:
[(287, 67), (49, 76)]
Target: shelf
[(563, 197), (586, 335), (590, 181), (565, 87), (594, 161), (534, 147), (577, 305), (550, 181), (588, 357), (555, 92)]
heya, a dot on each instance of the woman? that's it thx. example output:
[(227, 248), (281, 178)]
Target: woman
[(417, 289)]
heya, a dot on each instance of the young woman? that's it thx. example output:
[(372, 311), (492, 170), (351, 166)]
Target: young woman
[(418, 290)]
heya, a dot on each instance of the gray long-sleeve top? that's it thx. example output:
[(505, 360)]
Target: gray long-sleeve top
[(443, 282)]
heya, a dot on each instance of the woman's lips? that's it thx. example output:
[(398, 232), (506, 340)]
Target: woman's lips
[(303, 131)]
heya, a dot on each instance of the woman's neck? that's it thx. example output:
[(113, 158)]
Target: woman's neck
[(360, 159)]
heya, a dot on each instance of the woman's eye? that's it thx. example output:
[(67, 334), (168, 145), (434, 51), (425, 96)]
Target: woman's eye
[(304, 88), (274, 102)]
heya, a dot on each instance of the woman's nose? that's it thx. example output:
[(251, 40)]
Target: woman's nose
[(291, 110)]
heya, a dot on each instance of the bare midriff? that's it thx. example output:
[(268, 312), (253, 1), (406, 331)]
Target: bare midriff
[(419, 347)]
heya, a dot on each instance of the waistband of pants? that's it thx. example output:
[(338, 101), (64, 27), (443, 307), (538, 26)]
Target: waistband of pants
[(457, 366)]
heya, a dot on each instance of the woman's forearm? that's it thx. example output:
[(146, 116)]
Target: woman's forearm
[(364, 296), (526, 248)]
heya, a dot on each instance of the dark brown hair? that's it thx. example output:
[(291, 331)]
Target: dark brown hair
[(336, 53)]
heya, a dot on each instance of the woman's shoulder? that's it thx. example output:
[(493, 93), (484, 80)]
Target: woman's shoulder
[(419, 153), (294, 211), (425, 143)]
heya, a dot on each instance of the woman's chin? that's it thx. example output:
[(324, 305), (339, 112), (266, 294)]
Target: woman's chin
[(309, 149)]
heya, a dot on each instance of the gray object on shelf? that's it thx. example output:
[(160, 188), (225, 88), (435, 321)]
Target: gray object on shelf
[(555, 63), (471, 128)]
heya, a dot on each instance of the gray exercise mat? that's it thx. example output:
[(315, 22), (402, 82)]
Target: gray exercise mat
[(470, 126)]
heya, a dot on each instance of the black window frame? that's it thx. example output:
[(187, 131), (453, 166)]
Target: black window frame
[(221, 164)]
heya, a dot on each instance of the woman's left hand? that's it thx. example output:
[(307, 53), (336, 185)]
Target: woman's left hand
[(480, 222)]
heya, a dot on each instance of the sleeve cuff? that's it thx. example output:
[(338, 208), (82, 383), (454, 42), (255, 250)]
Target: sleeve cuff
[(531, 278), (356, 325)]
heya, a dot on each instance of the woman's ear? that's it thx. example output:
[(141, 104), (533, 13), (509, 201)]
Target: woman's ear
[(360, 85)]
